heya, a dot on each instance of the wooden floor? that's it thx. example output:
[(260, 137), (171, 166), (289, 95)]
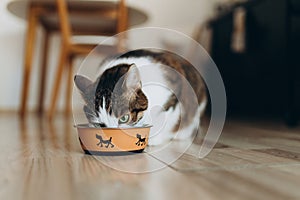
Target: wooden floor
[(253, 160)]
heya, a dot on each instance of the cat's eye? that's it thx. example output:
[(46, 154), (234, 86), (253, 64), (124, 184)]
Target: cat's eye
[(124, 119)]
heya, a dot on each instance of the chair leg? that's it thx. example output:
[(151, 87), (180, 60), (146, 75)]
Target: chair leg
[(69, 88), (43, 74), (30, 42), (122, 25), (60, 68)]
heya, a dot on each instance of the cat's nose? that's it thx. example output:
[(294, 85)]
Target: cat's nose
[(102, 125)]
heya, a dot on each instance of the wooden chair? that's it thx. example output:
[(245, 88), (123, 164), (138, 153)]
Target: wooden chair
[(70, 49), (104, 18)]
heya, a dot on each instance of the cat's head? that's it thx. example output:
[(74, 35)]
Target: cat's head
[(115, 98)]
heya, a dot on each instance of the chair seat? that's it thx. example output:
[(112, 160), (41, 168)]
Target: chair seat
[(135, 16), (81, 25), (82, 17)]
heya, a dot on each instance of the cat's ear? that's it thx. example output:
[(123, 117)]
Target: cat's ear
[(133, 78), (82, 83)]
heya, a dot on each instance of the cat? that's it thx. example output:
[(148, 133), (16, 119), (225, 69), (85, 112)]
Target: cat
[(145, 87)]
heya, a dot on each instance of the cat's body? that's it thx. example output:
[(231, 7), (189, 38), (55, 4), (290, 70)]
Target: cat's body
[(145, 87)]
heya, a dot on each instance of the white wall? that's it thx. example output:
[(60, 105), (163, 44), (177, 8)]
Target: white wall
[(11, 51), (180, 15)]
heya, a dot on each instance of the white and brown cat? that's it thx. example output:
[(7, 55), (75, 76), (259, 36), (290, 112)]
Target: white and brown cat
[(146, 87)]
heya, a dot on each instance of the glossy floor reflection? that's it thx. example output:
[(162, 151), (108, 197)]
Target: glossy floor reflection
[(43, 160)]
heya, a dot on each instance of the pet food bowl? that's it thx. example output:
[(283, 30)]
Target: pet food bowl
[(113, 141)]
